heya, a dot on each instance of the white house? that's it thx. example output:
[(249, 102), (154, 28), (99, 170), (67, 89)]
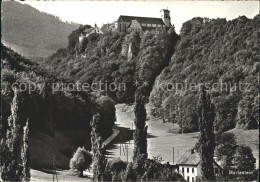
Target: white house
[(190, 168), (89, 31)]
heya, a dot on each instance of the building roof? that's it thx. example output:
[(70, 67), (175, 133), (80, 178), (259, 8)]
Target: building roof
[(189, 159), (192, 159), (164, 10), (141, 19)]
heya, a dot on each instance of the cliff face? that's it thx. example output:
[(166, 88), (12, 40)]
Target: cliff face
[(223, 54)]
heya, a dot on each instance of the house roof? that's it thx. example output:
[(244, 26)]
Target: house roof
[(189, 159), (141, 19), (192, 159)]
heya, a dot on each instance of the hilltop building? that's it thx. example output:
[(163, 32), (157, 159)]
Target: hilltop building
[(139, 24), (190, 166), (89, 31)]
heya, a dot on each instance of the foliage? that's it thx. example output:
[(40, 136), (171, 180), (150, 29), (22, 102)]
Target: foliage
[(107, 111), (206, 116), (248, 116), (211, 51), (103, 58), (14, 153), (117, 165), (81, 160), (73, 37), (99, 159), (48, 110), (245, 159), (226, 148), (140, 133), (26, 153)]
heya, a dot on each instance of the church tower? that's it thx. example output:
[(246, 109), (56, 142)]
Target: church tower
[(165, 14)]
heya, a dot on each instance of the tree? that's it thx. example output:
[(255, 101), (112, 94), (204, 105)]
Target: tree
[(107, 115), (245, 159), (226, 149), (99, 159), (248, 112), (81, 160), (140, 133), (26, 153), (206, 116), (117, 165), (12, 150), (130, 174)]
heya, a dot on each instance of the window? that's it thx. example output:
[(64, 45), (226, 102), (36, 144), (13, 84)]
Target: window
[(154, 25), (183, 170), (192, 170), (192, 179), (149, 25), (188, 178), (216, 170), (188, 170), (143, 24)]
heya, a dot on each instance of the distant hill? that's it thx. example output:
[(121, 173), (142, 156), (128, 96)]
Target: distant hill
[(33, 33)]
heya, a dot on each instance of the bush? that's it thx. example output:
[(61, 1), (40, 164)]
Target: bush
[(81, 160), (117, 165)]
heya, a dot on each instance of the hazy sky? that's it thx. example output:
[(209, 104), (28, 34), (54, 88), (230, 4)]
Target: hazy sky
[(91, 12)]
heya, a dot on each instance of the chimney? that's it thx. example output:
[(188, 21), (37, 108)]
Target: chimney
[(192, 151)]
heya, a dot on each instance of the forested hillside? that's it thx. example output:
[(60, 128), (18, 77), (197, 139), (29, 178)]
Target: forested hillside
[(212, 51), (222, 54), (31, 32), (104, 58), (49, 113)]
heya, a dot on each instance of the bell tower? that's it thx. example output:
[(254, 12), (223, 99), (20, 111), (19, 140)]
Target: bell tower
[(165, 15)]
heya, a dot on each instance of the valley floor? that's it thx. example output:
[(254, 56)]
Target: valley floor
[(161, 140), (65, 175)]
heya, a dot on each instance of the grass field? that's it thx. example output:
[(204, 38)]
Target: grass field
[(46, 149), (161, 140), (65, 175)]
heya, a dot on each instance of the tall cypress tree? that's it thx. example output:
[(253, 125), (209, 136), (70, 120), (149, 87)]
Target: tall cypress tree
[(25, 153), (140, 133), (11, 149), (99, 158), (206, 116)]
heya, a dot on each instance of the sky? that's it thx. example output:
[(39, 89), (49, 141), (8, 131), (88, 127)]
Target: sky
[(99, 12)]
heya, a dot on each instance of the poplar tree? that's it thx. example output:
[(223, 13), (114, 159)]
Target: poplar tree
[(99, 158), (25, 153), (12, 152), (206, 116), (140, 133)]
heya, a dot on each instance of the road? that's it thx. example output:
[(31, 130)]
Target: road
[(160, 140)]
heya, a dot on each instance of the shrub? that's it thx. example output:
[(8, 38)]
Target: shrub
[(117, 165), (81, 160)]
